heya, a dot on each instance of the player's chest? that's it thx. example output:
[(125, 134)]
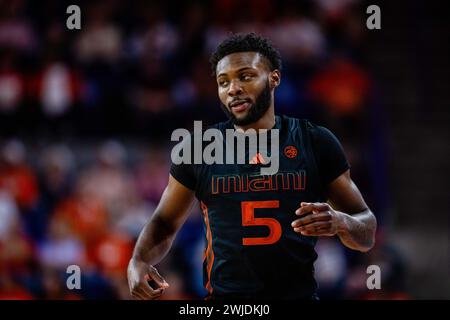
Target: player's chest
[(291, 169)]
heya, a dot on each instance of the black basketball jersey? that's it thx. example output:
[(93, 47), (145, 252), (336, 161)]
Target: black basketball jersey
[(251, 249)]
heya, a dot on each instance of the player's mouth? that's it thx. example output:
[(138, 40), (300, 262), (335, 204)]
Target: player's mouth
[(239, 105)]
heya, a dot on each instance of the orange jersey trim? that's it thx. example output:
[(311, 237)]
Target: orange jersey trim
[(209, 253)]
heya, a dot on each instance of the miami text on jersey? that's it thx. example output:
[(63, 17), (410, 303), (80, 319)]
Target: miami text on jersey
[(295, 180)]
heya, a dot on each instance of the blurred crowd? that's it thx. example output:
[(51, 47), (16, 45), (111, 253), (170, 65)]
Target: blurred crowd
[(61, 212), (141, 67), (71, 194)]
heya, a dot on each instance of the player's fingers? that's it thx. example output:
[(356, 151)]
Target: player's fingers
[(319, 206), (154, 274), (318, 233), (307, 207), (137, 295), (323, 216), (148, 292), (133, 285), (155, 294), (304, 209), (314, 227)]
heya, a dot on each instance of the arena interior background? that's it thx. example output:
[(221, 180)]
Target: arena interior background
[(86, 117)]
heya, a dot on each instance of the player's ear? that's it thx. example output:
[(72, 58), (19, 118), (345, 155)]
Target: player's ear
[(274, 78)]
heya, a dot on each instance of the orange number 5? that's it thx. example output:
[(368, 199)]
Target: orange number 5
[(248, 219)]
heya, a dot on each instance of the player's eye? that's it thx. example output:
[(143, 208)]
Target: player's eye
[(223, 83), (246, 77)]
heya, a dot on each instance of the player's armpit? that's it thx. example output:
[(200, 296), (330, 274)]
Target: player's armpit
[(344, 195), (175, 204), (172, 211)]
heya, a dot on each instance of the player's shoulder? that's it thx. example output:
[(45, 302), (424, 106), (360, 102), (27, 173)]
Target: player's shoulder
[(291, 123), (296, 123), (307, 127)]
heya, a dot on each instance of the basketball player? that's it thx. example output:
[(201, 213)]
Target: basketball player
[(260, 230)]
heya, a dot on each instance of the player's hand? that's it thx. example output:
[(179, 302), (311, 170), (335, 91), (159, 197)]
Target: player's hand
[(139, 276), (317, 219)]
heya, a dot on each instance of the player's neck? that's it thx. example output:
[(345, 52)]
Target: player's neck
[(267, 121)]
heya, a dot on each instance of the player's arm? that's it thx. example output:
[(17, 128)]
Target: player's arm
[(156, 239), (345, 215)]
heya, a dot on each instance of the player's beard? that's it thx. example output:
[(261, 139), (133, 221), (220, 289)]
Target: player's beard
[(256, 110)]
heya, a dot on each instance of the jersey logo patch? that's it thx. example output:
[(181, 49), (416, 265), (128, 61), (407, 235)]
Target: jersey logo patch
[(290, 152)]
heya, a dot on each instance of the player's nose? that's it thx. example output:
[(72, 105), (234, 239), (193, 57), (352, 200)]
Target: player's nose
[(234, 89)]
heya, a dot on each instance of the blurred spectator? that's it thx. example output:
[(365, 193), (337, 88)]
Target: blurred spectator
[(13, 290), (84, 215), (330, 268), (157, 38), (57, 88), (334, 10), (53, 286), (15, 29), (62, 247), (16, 249), (57, 165), (12, 84), (135, 217), (9, 214), (299, 39), (111, 253), (108, 180), (151, 174), (154, 44), (100, 39), (342, 87), (16, 176)]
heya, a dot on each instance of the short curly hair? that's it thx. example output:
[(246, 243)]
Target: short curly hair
[(242, 42)]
